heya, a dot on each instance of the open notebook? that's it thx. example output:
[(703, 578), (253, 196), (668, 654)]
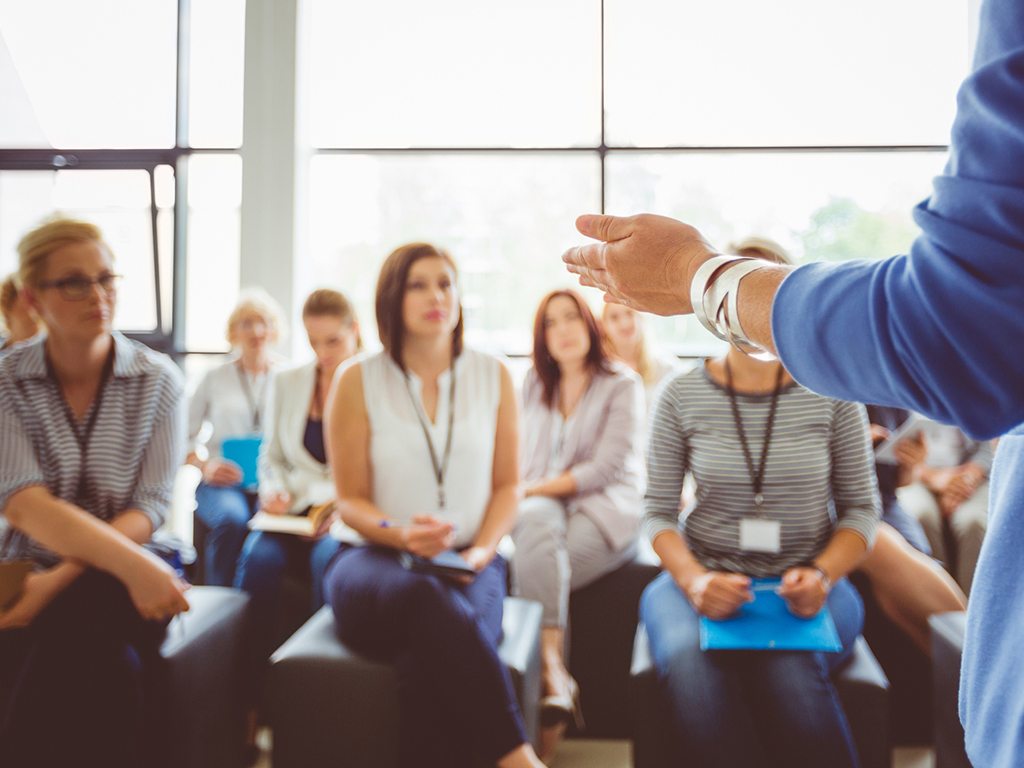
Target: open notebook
[(301, 525)]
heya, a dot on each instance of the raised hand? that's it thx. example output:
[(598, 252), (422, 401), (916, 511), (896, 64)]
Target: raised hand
[(645, 262)]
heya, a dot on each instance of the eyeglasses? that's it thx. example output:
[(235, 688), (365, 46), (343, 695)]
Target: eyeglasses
[(78, 288)]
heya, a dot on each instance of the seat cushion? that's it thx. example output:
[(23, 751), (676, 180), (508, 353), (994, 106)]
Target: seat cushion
[(328, 706), (204, 652)]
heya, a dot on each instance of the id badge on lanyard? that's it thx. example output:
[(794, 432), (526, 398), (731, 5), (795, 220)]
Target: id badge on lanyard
[(759, 535)]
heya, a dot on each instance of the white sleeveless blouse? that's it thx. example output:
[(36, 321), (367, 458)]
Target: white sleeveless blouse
[(404, 481)]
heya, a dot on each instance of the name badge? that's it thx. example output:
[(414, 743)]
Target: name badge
[(760, 535)]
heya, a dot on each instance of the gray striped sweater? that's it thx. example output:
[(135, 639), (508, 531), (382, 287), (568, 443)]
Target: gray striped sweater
[(819, 474)]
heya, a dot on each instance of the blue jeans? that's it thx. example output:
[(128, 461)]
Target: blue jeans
[(751, 708), (226, 512), (456, 700), (261, 569)]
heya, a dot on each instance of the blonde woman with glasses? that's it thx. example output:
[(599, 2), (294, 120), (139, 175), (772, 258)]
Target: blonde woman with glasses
[(91, 435)]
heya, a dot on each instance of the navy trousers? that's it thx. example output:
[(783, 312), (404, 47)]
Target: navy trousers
[(84, 684), (457, 703)]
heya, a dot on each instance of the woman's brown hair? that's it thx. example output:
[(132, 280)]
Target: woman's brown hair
[(545, 365), (326, 302), (391, 293)]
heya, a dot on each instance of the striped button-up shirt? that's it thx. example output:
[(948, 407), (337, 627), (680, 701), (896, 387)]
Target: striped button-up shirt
[(129, 460), (819, 474)]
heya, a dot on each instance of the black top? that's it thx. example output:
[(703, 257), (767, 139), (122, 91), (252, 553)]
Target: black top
[(313, 440)]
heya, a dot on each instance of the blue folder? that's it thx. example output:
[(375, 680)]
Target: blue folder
[(245, 452), (767, 624)]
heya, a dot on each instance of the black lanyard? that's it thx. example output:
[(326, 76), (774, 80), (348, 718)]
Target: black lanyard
[(83, 437), (440, 467), (254, 406), (756, 477)]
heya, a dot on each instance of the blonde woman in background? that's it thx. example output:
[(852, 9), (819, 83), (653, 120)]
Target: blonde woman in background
[(231, 398), (624, 332), (20, 323)]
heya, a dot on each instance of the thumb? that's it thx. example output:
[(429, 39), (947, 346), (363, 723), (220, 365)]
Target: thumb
[(606, 228), (791, 578)]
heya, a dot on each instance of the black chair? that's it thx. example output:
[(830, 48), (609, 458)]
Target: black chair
[(603, 617), (947, 648), (328, 706), (908, 668), (861, 684), (204, 649)]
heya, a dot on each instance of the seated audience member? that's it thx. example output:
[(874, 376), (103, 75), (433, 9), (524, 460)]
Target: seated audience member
[(293, 471), (908, 585), (909, 453), (92, 428), (20, 323), (423, 444), (583, 474), (232, 399), (765, 454), (624, 332), (950, 498)]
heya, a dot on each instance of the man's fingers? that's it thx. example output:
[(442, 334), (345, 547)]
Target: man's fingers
[(606, 228), (584, 257)]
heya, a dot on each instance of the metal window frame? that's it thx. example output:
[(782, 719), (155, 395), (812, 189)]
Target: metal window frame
[(603, 149), (172, 341)]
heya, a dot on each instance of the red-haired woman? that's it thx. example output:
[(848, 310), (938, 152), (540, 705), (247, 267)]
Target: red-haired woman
[(583, 471)]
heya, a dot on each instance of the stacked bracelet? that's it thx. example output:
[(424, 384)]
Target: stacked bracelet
[(713, 298)]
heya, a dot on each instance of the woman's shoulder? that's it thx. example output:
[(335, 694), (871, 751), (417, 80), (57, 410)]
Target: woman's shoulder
[(132, 358), (681, 379), (481, 361), (288, 375)]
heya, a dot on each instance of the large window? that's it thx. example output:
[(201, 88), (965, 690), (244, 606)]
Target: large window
[(487, 128), (129, 114)]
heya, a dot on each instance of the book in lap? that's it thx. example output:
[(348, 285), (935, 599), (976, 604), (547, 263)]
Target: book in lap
[(305, 524), (449, 564), (12, 581), (767, 624)]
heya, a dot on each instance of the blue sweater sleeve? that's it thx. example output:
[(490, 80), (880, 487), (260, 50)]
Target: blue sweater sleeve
[(939, 330)]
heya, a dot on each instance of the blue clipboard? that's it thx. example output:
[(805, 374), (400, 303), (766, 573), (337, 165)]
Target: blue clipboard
[(245, 452), (767, 624)]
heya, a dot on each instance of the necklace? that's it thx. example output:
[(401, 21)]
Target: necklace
[(756, 476)]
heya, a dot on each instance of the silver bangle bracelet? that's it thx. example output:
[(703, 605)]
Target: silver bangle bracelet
[(699, 293), (715, 304)]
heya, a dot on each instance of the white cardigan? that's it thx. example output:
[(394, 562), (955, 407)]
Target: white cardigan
[(285, 466)]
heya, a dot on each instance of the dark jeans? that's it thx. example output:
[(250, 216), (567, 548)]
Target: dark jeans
[(84, 684), (739, 709), (457, 702), (261, 570), (226, 512)]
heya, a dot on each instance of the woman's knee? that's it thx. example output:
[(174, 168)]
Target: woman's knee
[(538, 517), (672, 627), (223, 507), (262, 556)]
